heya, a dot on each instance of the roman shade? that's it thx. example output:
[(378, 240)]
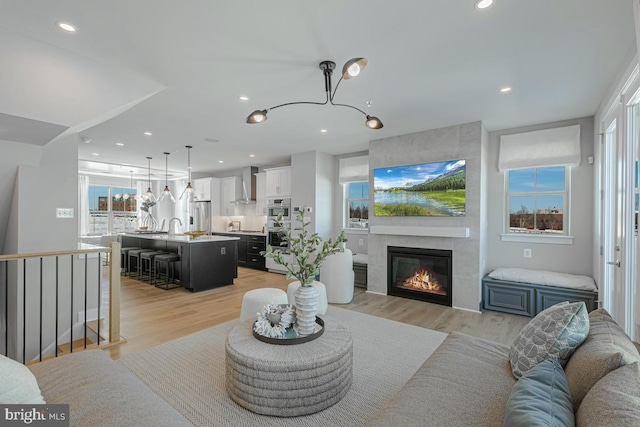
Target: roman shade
[(548, 147), (354, 169)]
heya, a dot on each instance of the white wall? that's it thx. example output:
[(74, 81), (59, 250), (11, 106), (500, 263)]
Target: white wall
[(13, 154), (575, 258), (53, 184), (313, 186), (303, 184), (325, 191)]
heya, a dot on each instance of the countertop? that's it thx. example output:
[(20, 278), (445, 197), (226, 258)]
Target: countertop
[(242, 233), (181, 238)]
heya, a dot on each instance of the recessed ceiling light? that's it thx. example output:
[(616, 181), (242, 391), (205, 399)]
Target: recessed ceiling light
[(252, 155), (66, 27), (148, 133), (86, 140), (95, 154), (220, 161), (243, 98), (483, 4), (323, 131), (120, 144), (505, 90), (211, 140)]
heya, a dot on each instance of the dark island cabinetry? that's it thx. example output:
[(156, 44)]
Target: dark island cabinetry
[(249, 247), (205, 263)]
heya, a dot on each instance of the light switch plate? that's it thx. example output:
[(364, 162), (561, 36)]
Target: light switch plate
[(64, 212)]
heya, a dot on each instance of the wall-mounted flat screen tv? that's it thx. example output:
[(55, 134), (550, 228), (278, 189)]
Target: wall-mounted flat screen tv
[(428, 189)]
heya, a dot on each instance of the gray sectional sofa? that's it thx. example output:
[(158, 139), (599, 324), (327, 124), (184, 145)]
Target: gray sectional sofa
[(467, 381)]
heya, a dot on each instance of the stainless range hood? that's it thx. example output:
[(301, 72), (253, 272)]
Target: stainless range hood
[(248, 186)]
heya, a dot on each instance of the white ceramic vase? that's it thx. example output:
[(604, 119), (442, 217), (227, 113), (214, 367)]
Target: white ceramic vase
[(307, 298)]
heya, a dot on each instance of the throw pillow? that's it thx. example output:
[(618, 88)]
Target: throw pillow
[(554, 332), (541, 397), (17, 383), (606, 348), (614, 400)]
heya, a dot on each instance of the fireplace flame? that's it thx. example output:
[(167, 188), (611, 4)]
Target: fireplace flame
[(421, 280)]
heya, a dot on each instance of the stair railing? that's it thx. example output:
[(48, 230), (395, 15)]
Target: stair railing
[(42, 292)]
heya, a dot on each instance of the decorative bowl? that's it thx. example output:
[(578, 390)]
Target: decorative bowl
[(195, 233), (143, 228)]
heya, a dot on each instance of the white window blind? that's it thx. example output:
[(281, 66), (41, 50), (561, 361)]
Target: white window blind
[(354, 169), (548, 147)]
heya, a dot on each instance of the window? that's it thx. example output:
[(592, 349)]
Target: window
[(357, 204), (111, 209), (537, 200)]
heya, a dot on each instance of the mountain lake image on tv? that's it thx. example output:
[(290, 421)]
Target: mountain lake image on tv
[(428, 189)]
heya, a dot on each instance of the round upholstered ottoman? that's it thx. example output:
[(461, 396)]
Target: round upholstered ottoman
[(289, 380), (254, 300)]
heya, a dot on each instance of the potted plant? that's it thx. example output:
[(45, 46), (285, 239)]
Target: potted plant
[(309, 250)]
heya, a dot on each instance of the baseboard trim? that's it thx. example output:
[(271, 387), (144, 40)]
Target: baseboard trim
[(467, 309)]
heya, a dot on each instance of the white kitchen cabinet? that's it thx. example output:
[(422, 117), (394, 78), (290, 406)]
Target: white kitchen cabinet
[(279, 182), (261, 193), (202, 189), (230, 191)]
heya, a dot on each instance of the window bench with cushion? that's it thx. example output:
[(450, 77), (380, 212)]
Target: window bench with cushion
[(527, 292)]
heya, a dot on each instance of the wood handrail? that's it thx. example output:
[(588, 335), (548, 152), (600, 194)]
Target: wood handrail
[(88, 250)]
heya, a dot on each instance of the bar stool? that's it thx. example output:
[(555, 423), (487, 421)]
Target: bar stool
[(134, 255), (124, 258), (146, 264), (168, 260)]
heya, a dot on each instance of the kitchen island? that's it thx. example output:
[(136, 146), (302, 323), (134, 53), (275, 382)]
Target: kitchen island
[(206, 262)]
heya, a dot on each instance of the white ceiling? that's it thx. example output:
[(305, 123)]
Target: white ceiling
[(177, 69)]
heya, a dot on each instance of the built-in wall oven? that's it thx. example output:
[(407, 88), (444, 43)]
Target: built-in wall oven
[(276, 233), (278, 220), (276, 238), (279, 207)]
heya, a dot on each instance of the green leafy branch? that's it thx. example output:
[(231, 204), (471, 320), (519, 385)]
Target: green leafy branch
[(309, 250)]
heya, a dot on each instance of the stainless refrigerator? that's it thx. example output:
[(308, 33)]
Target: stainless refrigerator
[(200, 216)]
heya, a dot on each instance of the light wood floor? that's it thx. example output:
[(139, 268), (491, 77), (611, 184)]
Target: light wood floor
[(152, 316)]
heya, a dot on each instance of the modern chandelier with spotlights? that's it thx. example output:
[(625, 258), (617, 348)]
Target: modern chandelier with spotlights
[(351, 68)]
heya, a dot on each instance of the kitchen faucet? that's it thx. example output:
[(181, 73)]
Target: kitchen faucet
[(171, 224)]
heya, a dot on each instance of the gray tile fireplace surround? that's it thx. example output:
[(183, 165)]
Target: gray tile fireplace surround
[(464, 236)]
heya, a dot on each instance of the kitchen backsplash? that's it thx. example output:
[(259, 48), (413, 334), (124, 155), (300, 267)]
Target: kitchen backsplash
[(247, 222)]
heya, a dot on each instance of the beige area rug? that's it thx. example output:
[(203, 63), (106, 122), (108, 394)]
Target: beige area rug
[(189, 373)]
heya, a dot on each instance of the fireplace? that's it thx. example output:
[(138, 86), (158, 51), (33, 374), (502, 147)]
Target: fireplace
[(422, 274)]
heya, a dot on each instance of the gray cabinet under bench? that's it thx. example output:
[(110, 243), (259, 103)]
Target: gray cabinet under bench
[(528, 299)]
